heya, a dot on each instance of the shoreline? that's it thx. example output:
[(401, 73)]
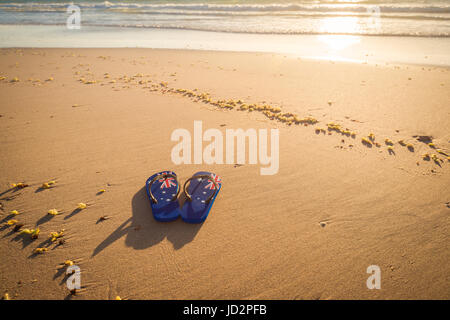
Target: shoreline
[(243, 32), (360, 49), (303, 58)]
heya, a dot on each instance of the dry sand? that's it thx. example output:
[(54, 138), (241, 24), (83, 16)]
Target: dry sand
[(335, 207)]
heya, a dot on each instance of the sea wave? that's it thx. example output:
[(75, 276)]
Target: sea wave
[(268, 8), (422, 34), (396, 19)]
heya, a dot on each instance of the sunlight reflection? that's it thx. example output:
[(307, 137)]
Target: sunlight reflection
[(338, 42), (339, 25)]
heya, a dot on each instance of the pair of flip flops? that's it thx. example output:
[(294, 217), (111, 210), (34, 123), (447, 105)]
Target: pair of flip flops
[(200, 190)]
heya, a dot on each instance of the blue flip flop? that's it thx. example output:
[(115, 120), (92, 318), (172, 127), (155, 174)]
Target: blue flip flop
[(162, 191), (200, 195)]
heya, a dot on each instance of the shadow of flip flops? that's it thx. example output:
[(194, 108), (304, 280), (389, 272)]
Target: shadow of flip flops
[(143, 231)]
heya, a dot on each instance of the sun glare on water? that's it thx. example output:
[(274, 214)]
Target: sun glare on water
[(341, 26)]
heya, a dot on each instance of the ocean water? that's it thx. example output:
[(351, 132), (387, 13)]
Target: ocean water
[(398, 31), (424, 18)]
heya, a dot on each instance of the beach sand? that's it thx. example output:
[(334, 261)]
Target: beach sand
[(335, 207)]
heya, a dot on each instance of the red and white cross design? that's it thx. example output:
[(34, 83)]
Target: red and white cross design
[(167, 182), (210, 184)]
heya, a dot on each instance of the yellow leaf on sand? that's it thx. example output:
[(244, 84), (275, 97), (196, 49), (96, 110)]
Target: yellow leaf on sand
[(53, 212), (82, 206), (40, 250), (11, 222), (68, 263), (55, 235), (35, 233)]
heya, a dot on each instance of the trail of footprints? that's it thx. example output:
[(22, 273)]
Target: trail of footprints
[(437, 155), (86, 76)]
